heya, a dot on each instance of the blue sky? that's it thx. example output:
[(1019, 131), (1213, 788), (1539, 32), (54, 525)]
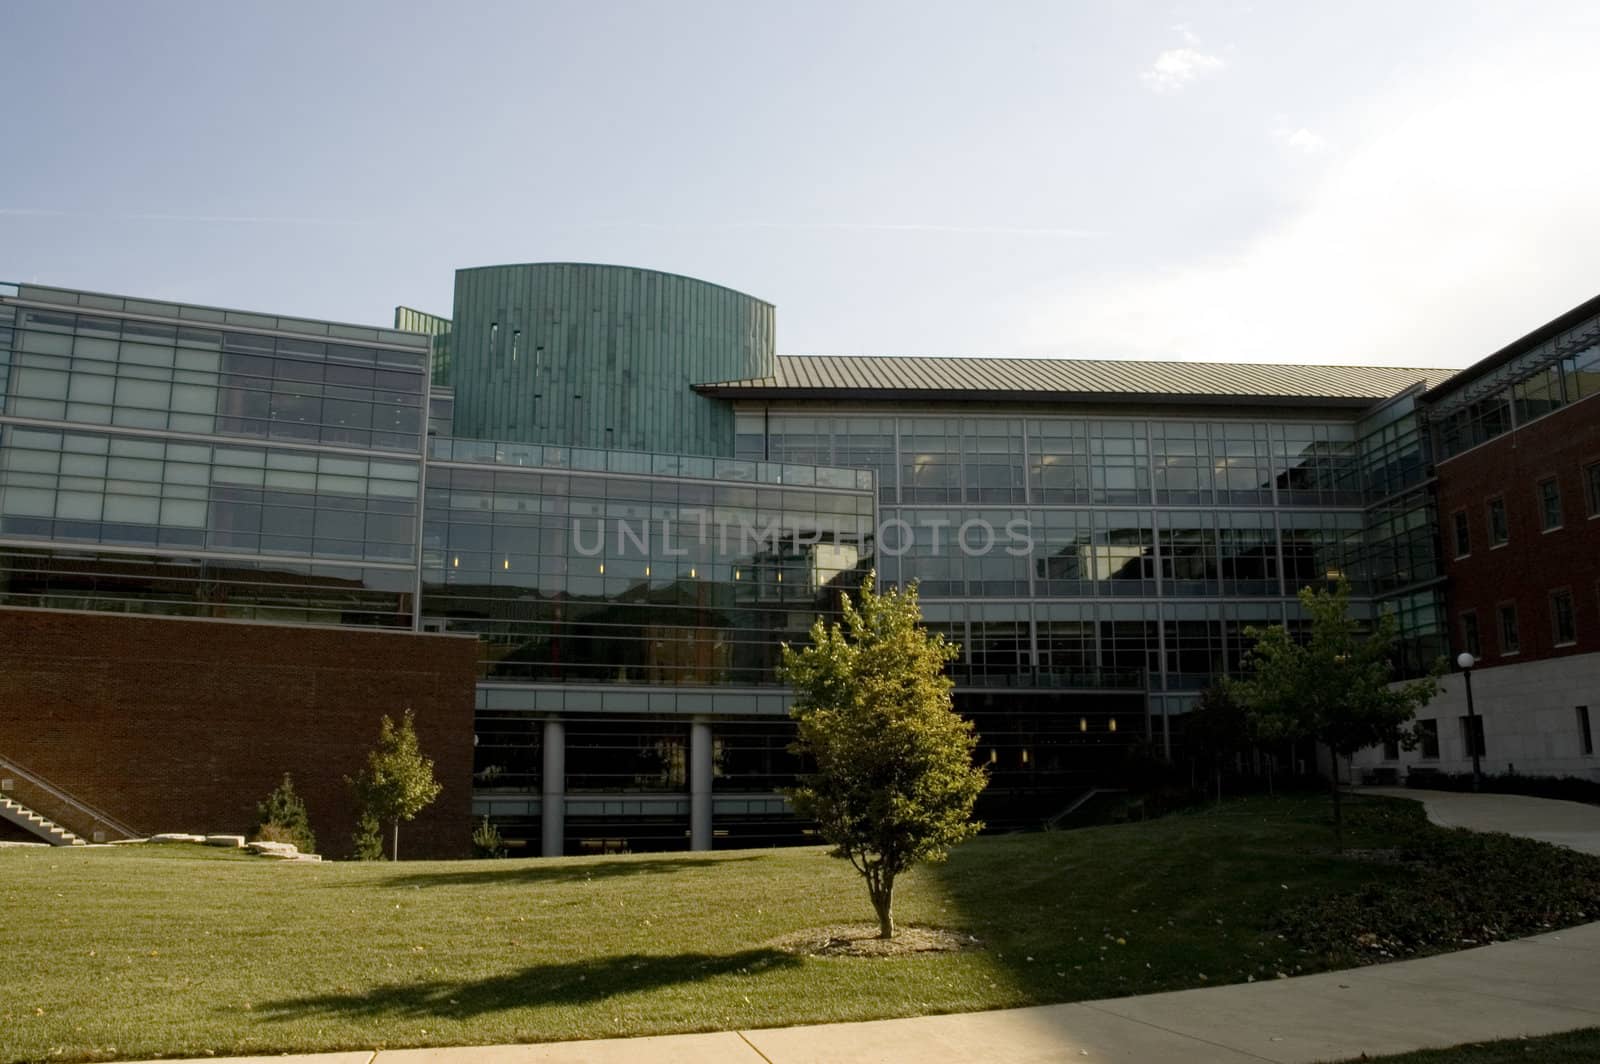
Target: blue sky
[(1406, 184)]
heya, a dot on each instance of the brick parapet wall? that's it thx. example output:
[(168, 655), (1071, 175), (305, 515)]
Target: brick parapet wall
[(184, 725)]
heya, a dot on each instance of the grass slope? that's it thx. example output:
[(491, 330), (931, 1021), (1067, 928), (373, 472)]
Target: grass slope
[(150, 951), (1574, 1047)]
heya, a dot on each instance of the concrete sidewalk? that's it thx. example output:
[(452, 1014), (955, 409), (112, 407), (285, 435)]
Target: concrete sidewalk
[(1542, 985), (1572, 824)]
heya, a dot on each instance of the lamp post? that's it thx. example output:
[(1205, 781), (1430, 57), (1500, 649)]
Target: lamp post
[(1467, 661)]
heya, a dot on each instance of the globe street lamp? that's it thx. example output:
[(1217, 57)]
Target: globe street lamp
[(1467, 661)]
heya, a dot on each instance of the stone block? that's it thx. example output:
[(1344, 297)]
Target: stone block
[(177, 836), (233, 842)]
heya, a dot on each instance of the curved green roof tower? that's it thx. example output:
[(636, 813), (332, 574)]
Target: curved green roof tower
[(582, 355)]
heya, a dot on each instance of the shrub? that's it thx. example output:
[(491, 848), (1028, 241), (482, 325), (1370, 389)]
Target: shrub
[(486, 840), (367, 842), (1454, 888), (1563, 788), (283, 818), (276, 833)]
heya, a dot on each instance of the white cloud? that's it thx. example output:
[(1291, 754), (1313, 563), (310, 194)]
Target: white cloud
[(1177, 67), (1301, 140), (1464, 218)]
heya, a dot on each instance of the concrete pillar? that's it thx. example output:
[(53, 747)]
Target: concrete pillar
[(553, 791), (700, 784)]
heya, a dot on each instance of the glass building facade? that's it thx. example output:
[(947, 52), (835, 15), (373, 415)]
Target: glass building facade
[(1074, 551), (633, 569), (1098, 561), (173, 459)]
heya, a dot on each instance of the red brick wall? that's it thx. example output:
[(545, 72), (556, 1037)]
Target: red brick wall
[(1533, 563), (184, 725)]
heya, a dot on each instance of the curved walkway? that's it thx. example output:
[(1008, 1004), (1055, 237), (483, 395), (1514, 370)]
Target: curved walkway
[(1563, 823), (1533, 986)]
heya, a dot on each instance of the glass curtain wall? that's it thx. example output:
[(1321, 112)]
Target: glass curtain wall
[(573, 576), (1096, 552), (206, 465)]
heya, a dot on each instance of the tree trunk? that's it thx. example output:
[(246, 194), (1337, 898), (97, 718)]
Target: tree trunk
[(397, 840), (1219, 783), (1338, 809), (1272, 760), (881, 888)]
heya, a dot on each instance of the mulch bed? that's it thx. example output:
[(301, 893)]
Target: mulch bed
[(861, 940)]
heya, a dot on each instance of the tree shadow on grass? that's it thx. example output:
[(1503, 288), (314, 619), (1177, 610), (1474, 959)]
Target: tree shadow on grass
[(538, 871), (575, 983)]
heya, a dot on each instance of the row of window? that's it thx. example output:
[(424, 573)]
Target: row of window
[(1472, 737), (1012, 460), (1548, 507), (1553, 384), (681, 635), (134, 491), (1563, 626), (185, 587), (209, 402), (41, 323)]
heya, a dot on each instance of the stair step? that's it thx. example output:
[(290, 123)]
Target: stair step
[(46, 829)]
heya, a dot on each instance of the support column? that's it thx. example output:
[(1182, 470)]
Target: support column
[(700, 784), (553, 791)]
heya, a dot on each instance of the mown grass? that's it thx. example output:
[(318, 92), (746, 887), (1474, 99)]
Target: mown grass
[(1574, 1047), (145, 951)]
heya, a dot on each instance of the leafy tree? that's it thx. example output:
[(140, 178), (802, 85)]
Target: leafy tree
[(283, 818), (894, 781), (1335, 687), (1219, 727), (397, 782)]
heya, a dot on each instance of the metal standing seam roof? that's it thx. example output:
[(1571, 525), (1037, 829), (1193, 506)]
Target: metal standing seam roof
[(1025, 379)]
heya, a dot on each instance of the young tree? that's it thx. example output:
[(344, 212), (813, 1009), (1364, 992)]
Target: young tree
[(398, 782), (1335, 687), (283, 818), (1219, 727), (894, 781)]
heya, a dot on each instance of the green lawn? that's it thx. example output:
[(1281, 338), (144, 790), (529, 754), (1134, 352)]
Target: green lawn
[(148, 951), (1574, 1047)]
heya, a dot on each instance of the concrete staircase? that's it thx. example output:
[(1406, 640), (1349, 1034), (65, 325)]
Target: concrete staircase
[(31, 795), (33, 823)]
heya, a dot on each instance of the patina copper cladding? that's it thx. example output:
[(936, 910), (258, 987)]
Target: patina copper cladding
[(601, 356)]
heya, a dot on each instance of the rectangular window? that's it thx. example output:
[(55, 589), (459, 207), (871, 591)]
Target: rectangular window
[(1470, 641), (1549, 504), (1562, 624), (1391, 750), (1585, 736), (1428, 739), (1510, 640), (1591, 487), (1499, 530), (1463, 537), (1472, 736)]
